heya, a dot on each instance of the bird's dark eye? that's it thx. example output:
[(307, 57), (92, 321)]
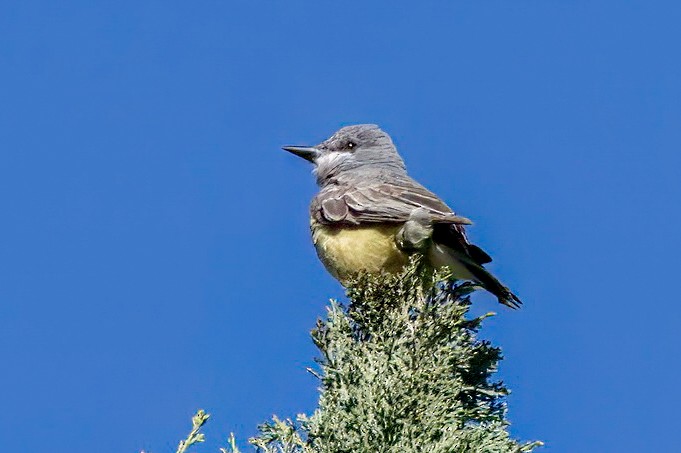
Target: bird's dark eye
[(351, 145)]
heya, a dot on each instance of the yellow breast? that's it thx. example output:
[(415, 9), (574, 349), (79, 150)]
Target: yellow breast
[(349, 250)]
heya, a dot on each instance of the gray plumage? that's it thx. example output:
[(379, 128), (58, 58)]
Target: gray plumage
[(363, 181)]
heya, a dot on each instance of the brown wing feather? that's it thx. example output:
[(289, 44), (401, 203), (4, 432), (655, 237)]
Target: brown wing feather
[(454, 237), (379, 203), (393, 203)]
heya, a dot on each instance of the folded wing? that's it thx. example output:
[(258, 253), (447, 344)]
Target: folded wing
[(393, 202)]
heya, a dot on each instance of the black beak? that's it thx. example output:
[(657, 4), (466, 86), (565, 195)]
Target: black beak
[(307, 153)]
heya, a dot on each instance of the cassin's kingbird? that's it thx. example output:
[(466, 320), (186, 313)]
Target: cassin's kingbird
[(369, 215)]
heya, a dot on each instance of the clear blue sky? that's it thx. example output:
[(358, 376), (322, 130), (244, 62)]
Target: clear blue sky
[(155, 256)]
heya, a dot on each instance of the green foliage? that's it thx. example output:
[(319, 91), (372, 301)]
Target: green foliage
[(401, 370), (194, 436)]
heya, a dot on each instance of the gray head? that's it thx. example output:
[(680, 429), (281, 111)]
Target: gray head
[(362, 148)]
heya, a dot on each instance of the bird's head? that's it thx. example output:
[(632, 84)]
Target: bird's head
[(352, 150)]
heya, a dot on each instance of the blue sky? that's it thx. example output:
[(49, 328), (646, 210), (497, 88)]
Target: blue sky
[(155, 255)]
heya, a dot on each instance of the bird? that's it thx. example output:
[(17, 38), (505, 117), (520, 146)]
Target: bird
[(370, 215)]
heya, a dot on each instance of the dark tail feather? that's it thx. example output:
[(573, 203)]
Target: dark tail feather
[(490, 282)]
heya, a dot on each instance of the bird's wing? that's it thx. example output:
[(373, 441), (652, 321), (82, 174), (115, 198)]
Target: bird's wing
[(454, 237), (393, 202), (380, 203)]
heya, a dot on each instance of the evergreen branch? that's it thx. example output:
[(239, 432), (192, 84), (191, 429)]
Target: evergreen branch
[(401, 371), (194, 436)]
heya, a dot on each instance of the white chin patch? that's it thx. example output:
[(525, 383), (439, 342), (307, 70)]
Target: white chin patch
[(328, 161)]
